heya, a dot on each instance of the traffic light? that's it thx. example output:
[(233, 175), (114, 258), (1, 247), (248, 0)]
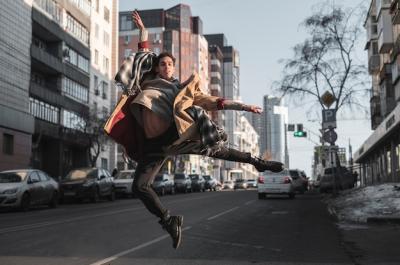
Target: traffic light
[(300, 134)]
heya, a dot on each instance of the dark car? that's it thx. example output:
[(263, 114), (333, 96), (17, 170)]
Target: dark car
[(26, 187), (343, 179), (211, 183), (163, 183), (88, 183), (198, 182), (183, 183), (300, 183), (240, 184)]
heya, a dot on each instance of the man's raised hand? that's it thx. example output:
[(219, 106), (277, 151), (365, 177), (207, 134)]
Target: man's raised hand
[(138, 21)]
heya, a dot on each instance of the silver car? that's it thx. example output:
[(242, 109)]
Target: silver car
[(276, 183), (26, 187), (183, 183), (123, 182)]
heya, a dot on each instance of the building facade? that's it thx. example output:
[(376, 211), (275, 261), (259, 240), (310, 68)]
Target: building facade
[(379, 155), (16, 123), (273, 134), (248, 142)]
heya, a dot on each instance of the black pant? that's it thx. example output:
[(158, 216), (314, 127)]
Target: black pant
[(152, 161)]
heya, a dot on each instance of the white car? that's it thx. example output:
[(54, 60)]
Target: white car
[(123, 182), (26, 187), (275, 183), (228, 185)]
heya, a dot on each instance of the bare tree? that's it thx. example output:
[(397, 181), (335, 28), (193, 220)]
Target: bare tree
[(326, 60)]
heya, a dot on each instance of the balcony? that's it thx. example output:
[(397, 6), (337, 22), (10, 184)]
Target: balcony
[(376, 117), (395, 12), (374, 64), (385, 73), (51, 64), (385, 39)]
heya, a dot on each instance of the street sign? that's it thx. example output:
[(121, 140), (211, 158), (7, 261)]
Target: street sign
[(328, 118), (328, 98), (330, 136)]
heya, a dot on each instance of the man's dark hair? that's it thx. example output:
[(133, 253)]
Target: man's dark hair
[(164, 54)]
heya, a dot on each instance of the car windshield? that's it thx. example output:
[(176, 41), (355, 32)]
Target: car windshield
[(239, 180), (194, 177), (228, 182), (124, 175), (251, 180), (179, 176), (207, 177), (159, 178), (236, 175), (12, 177), (82, 173)]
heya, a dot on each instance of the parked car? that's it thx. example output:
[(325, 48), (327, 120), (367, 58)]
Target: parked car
[(123, 181), (183, 183), (316, 182), (198, 182), (163, 184), (211, 183), (88, 183), (276, 183), (27, 187), (240, 184), (344, 179), (300, 183), (251, 183), (228, 185)]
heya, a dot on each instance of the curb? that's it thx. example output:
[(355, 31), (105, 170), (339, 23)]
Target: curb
[(383, 220)]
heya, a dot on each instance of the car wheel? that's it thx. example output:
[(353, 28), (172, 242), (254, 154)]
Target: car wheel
[(25, 202), (96, 196), (172, 190), (111, 197), (292, 195), (162, 192), (54, 200), (261, 196)]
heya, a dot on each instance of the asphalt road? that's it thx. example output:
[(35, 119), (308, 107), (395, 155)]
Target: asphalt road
[(227, 227)]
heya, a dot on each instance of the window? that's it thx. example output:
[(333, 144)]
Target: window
[(75, 90), (105, 89), (126, 23), (105, 64), (96, 57), (44, 110), (77, 29), (388, 162), (97, 6), (8, 144), (127, 39), (157, 50), (72, 120), (43, 176), (78, 60), (106, 39), (127, 52), (34, 177), (106, 14), (104, 163), (96, 31)]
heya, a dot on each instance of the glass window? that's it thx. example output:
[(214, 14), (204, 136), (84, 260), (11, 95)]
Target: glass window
[(96, 57), (75, 91), (34, 177), (389, 161), (106, 39), (106, 14), (104, 163), (43, 176), (398, 157), (77, 29), (43, 110)]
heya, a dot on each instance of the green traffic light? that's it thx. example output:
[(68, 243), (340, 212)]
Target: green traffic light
[(299, 134)]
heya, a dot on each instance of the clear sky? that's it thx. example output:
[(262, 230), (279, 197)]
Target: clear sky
[(264, 31)]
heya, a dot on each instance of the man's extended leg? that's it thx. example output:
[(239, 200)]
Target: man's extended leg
[(145, 173), (244, 157)]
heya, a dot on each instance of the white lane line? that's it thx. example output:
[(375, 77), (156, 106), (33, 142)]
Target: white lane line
[(123, 253), (249, 202), (218, 215)]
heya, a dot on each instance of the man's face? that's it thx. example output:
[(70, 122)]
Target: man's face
[(166, 68)]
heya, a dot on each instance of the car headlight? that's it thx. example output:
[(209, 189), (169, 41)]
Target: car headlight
[(10, 191)]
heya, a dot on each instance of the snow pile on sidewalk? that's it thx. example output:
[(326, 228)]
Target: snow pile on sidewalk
[(358, 204)]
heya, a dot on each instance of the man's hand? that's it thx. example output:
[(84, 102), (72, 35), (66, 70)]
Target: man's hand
[(138, 21), (252, 108)]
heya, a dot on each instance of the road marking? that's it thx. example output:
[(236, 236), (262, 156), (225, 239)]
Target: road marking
[(81, 218), (123, 253), (218, 215), (249, 202)]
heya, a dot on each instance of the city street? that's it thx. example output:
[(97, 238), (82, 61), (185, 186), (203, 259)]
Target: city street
[(227, 227)]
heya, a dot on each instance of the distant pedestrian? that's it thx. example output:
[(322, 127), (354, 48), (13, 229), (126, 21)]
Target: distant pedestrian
[(158, 116), (114, 172)]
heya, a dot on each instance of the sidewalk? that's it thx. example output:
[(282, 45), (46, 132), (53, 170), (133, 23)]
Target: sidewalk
[(368, 219)]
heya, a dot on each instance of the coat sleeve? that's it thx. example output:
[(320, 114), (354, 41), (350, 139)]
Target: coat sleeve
[(207, 102)]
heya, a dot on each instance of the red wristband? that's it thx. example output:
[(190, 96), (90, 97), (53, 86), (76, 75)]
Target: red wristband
[(220, 103), (143, 45)]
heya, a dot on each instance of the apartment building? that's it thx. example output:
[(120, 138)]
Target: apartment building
[(379, 155)]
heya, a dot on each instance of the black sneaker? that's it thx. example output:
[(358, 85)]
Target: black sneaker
[(174, 227), (261, 165)]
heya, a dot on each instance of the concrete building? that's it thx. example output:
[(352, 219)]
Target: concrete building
[(248, 142), (103, 67), (231, 90), (174, 30), (16, 124), (379, 155), (273, 136)]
